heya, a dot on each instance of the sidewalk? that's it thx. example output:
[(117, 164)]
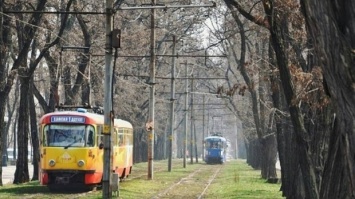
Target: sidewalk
[(8, 173)]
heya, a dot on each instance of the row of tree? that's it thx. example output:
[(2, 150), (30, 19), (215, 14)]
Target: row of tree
[(307, 62)]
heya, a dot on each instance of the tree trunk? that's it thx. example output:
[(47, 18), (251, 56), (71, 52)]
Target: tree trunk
[(257, 113), (278, 43), (34, 132), (21, 173), (5, 43), (332, 27), (254, 155), (2, 116), (269, 151), (285, 137), (5, 88)]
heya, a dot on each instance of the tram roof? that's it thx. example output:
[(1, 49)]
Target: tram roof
[(215, 137), (123, 123), (97, 118)]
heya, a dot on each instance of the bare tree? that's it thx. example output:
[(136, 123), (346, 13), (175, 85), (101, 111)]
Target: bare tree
[(331, 25), (285, 27)]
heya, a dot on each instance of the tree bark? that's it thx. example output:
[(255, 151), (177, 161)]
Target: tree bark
[(278, 43), (29, 31), (21, 172), (264, 158), (34, 133), (332, 26)]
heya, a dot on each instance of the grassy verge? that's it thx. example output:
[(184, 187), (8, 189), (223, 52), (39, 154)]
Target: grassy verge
[(235, 180), (238, 180)]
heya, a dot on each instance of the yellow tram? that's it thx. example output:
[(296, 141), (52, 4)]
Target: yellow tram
[(71, 149)]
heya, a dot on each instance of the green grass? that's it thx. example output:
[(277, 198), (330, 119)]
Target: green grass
[(238, 180), (235, 180)]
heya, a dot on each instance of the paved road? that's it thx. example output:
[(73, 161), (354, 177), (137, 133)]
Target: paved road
[(8, 173)]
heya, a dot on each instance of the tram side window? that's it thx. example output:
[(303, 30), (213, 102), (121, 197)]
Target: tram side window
[(48, 136), (45, 136), (115, 139), (120, 137), (90, 136), (100, 141), (128, 137)]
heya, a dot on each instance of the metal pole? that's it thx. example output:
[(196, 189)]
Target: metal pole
[(236, 137), (192, 121), (186, 114), (208, 122), (152, 97), (106, 181), (165, 139), (195, 143), (203, 128), (172, 107)]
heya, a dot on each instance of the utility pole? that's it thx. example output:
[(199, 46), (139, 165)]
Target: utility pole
[(108, 113), (186, 113), (236, 138), (203, 128), (150, 124), (195, 142), (172, 106), (192, 121), (208, 122)]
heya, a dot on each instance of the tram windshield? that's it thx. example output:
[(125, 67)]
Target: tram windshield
[(211, 144), (62, 135)]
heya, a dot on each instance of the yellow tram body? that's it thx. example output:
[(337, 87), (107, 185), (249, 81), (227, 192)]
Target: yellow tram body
[(71, 148)]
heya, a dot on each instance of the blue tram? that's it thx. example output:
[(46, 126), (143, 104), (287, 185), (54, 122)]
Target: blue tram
[(215, 149)]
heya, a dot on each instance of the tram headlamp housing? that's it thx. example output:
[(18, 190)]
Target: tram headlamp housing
[(51, 163), (81, 163)]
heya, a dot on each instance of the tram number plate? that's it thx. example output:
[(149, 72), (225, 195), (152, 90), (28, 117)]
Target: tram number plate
[(62, 180)]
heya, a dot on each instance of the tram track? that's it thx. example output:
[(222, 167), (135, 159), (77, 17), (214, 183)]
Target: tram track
[(139, 176), (141, 172), (196, 181), (193, 185), (209, 182)]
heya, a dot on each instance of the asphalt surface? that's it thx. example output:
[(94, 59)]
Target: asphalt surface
[(8, 173)]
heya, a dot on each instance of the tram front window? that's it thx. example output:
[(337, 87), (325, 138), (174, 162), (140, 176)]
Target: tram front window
[(214, 145), (58, 135)]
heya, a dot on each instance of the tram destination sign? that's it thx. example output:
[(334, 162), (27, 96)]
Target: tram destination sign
[(67, 119)]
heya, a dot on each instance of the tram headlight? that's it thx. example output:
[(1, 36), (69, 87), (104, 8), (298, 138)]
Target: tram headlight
[(81, 163), (51, 163)]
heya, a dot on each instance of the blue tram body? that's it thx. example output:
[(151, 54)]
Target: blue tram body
[(215, 149)]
